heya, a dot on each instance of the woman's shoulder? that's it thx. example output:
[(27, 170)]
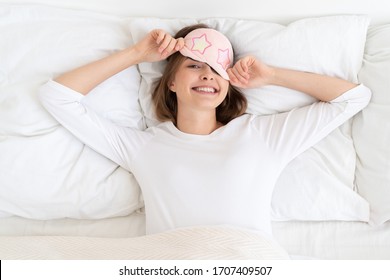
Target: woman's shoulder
[(242, 122)]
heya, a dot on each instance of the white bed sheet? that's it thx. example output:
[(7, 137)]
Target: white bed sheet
[(119, 227), (334, 240)]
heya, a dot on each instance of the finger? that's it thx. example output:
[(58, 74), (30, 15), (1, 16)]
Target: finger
[(231, 75), (170, 49), (244, 65), (237, 70), (239, 73), (232, 78), (179, 44), (242, 68), (159, 35), (235, 79), (165, 43)]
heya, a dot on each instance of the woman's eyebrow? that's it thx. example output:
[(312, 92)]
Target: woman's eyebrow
[(189, 58)]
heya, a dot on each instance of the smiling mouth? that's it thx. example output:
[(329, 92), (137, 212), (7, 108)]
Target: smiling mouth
[(205, 90)]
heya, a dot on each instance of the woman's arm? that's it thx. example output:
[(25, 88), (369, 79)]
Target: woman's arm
[(118, 143), (249, 72), (290, 133), (63, 99), (157, 45)]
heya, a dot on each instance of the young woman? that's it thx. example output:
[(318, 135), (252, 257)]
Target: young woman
[(207, 163)]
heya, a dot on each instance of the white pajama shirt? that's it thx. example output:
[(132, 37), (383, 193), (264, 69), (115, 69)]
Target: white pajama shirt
[(224, 178)]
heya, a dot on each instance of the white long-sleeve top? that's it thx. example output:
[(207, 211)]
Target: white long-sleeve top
[(226, 177)]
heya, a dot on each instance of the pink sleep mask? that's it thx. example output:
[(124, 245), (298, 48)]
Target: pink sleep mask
[(211, 47)]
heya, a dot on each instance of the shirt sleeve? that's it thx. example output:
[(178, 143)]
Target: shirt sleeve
[(114, 142), (291, 133)]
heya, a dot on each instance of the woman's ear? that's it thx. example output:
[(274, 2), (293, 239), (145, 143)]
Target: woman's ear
[(172, 87)]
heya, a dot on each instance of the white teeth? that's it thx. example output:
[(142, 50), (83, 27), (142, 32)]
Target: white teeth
[(205, 89)]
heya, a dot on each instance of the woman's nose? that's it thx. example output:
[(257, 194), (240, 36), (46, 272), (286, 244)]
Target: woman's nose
[(207, 73)]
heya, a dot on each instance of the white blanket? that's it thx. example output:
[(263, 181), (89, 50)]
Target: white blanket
[(216, 242)]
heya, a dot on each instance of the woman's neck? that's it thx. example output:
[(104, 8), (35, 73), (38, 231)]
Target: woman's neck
[(200, 124)]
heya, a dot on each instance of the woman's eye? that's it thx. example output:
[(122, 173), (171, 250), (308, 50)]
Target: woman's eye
[(194, 66)]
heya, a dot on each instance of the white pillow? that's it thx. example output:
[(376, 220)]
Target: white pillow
[(45, 172), (371, 129), (318, 185)]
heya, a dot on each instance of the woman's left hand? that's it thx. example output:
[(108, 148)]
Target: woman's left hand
[(249, 72)]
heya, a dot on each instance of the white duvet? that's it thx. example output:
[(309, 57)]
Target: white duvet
[(205, 243)]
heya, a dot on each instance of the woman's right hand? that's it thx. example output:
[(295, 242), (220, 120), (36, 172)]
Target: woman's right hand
[(157, 45)]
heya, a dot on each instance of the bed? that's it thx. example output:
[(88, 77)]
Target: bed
[(61, 200)]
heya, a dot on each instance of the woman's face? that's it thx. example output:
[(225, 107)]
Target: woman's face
[(197, 86)]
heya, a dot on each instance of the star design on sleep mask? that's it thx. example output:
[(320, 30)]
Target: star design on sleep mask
[(200, 44), (223, 58)]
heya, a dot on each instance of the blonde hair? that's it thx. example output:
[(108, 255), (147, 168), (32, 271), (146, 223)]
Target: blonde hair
[(165, 101)]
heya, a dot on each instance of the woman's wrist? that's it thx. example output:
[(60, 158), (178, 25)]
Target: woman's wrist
[(130, 56), (272, 75), (280, 77), (133, 55)]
